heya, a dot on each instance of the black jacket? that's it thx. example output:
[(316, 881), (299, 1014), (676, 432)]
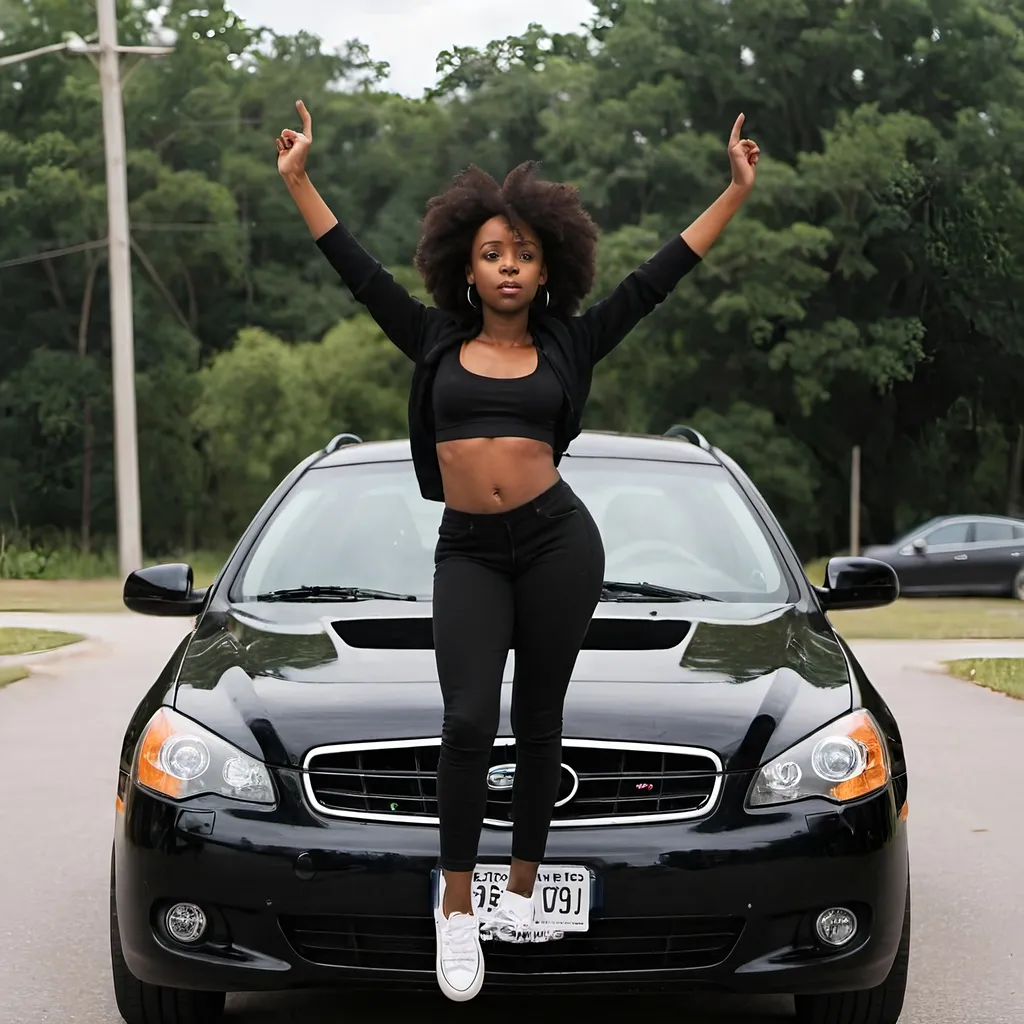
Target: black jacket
[(571, 344)]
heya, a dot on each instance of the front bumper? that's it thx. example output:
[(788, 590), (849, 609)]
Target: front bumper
[(298, 901)]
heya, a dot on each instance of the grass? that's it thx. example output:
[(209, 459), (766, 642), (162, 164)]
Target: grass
[(11, 674), (816, 571), (922, 618), (26, 641), (906, 619), (944, 618), (61, 596), (87, 595), (1003, 674)]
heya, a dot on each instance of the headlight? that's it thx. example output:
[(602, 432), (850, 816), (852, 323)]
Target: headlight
[(179, 759), (845, 760)]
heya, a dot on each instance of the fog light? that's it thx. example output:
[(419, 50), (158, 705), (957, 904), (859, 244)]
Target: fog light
[(837, 926), (185, 922)]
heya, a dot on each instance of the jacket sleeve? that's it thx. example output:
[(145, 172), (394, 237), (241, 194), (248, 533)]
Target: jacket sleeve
[(401, 317), (607, 322)]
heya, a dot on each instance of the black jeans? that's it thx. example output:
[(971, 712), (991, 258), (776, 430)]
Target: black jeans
[(529, 580)]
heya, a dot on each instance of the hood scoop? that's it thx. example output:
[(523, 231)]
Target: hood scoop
[(604, 634)]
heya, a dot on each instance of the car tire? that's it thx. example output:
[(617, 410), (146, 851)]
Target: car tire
[(880, 1005), (1018, 586), (141, 1003)]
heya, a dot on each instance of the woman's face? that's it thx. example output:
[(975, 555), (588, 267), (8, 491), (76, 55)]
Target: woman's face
[(506, 265)]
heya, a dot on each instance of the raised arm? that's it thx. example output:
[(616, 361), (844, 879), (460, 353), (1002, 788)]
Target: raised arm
[(607, 322), (401, 316)]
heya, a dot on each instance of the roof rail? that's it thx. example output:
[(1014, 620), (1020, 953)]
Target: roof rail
[(339, 440), (691, 435)]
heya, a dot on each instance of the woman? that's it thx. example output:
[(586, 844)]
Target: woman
[(502, 373)]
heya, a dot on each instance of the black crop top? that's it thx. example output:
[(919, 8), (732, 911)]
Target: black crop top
[(467, 404), (570, 345)]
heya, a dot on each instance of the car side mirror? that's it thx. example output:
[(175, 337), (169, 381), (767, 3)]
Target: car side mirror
[(163, 590), (920, 545), (858, 583)]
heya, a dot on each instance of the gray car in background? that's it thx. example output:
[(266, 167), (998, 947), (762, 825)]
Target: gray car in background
[(959, 556)]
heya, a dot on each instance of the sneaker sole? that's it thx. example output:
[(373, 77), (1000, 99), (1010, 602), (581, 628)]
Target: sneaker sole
[(458, 995)]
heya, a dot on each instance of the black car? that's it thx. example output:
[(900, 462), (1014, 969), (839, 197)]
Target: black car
[(734, 801), (959, 556)]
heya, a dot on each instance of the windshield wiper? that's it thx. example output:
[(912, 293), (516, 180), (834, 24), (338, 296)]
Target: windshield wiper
[(612, 590), (331, 593)]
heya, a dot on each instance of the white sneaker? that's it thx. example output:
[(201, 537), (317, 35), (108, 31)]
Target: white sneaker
[(515, 920), (460, 960)]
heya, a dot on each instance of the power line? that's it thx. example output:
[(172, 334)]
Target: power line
[(69, 250), (186, 226), (143, 226), (53, 253)]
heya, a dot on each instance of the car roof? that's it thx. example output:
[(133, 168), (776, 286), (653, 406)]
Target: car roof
[(929, 525), (591, 444), (973, 517)]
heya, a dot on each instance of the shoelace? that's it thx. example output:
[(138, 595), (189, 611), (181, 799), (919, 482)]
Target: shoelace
[(458, 939)]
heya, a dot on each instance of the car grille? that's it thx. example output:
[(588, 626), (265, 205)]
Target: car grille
[(612, 944), (603, 783)]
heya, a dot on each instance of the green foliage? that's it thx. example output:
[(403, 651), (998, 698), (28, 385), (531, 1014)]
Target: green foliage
[(264, 405), (51, 557), (787, 474), (867, 293), (1005, 675), (16, 640)]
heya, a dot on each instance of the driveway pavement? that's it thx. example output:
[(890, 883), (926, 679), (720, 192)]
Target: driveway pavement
[(59, 735)]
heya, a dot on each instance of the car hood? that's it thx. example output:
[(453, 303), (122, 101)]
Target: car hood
[(879, 550), (743, 680)]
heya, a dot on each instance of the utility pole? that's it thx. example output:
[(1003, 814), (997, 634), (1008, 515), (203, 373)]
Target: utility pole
[(122, 334), (122, 328), (1017, 476), (855, 501)]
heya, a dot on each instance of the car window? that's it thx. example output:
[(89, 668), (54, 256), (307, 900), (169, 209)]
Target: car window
[(677, 524), (954, 533), (921, 530), (988, 531)]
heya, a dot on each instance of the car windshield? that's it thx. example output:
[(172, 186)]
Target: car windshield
[(680, 525), (917, 531)]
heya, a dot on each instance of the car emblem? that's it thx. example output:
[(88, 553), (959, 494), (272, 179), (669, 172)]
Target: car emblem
[(502, 776)]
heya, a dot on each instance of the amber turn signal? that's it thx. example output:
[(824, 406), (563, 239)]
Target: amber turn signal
[(875, 773)]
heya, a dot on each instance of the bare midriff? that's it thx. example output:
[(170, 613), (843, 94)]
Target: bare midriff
[(494, 474)]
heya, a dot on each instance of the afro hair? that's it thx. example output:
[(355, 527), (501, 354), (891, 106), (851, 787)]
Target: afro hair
[(553, 210)]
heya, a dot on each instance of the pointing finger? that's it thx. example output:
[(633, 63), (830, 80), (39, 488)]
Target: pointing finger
[(734, 136), (307, 120)]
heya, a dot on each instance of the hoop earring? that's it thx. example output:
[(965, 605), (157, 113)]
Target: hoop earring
[(547, 297), (469, 296)]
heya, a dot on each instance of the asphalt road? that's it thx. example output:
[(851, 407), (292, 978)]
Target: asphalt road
[(60, 730)]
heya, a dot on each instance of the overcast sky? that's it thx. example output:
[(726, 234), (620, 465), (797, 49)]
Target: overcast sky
[(409, 34)]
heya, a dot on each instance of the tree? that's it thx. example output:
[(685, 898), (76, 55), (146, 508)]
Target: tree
[(865, 295)]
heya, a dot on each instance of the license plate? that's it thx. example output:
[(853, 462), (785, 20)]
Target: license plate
[(561, 894)]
